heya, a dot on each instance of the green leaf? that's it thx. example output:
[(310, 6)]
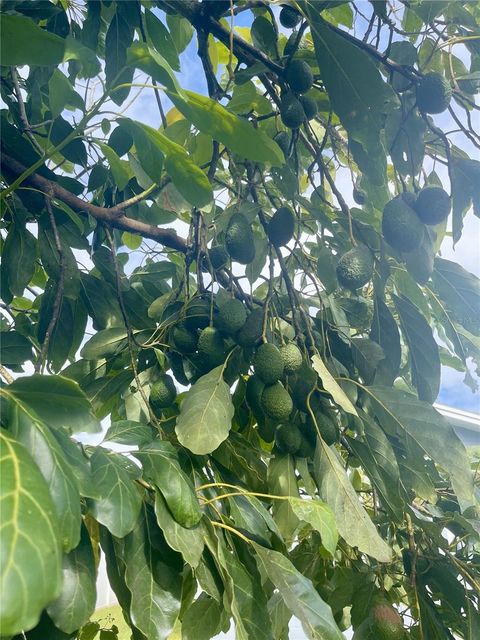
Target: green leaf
[(160, 38), (76, 603), (16, 349), (405, 140), (160, 464), (424, 355), (129, 432), (181, 31), (282, 481), (188, 542), (202, 619), (57, 401), (143, 57), (104, 344), (234, 132), (61, 94), (331, 385), (24, 42), (119, 506), (30, 547), (355, 87), (47, 454), (18, 259), (78, 462), (320, 517), (401, 414), (121, 171), (353, 522), (299, 595), (460, 291), (149, 150), (465, 191), (206, 414), (155, 587), (263, 35), (118, 38)]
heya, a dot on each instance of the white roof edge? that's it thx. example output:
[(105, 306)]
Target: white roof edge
[(459, 418)]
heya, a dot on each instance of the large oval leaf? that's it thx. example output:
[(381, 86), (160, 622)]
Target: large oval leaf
[(205, 414), (24, 42), (29, 544)]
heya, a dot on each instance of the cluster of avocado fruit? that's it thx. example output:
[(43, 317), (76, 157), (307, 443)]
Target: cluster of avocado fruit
[(383, 623)]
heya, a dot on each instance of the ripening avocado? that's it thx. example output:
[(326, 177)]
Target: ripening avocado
[(355, 268), (251, 331), (183, 340), (386, 622), (283, 139), (310, 107), (291, 111), (288, 438), (292, 357), (268, 363), (239, 239), (276, 402), (231, 317), (281, 227), (162, 393), (432, 205), (299, 76), (211, 347), (218, 256), (401, 227), (197, 315), (289, 17), (433, 93)]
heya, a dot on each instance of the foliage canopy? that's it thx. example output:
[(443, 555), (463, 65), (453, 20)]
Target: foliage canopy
[(154, 237)]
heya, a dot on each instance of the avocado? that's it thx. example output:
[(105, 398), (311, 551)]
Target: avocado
[(306, 448), (231, 317), (281, 227), (299, 76), (288, 438), (289, 17), (266, 429), (268, 363), (276, 402), (355, 268), (251, 331), (433, 93), (283, 139), (310, 107), (401, 227), (197, 315), (326, 425), (183, 340), (291, 111), (162, 393), (432, 205), (253, 394), (239, 239), (358, 196), (218, 256), (211, 347), (410, 198), (386, 622), (292, 357)]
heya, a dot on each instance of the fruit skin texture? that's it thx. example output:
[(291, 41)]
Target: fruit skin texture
[(231, 317), (251, 331), (239, 239), (282, 138), (401, 227), (281, 227), (386, 622), (183, 340), (326, 426), (288, 17), (162, 392), (211, 347), (268, 363), (433, 93), (288, 438), (355, 268), (198, 314), (292, 357), (218, 256), (310, 107), (276, 402), (291, 111), (299, 76), (432, 205)]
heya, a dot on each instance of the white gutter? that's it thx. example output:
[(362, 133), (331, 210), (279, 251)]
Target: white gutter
[(458, 418)]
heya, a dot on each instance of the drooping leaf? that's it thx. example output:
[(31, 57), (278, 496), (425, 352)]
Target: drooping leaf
[(160, 464), (118, 38), (161, 39), (119, 506), (149, 151), (202, 619), (320, 517), (331, 385), (282, 481), (76, 603), (30, 545), (299, 595), (143, 57), (353, 522), (24, 42), (465, 191), (425, 358), (120, 169), (16, 349), (205, 414), (18, 259), (401, 413), (129, 432)]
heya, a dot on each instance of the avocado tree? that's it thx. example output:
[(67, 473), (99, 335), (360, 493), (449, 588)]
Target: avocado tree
[(221, 232)]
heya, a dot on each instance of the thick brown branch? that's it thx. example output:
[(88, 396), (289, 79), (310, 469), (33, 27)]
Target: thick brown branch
[(113, 216)]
